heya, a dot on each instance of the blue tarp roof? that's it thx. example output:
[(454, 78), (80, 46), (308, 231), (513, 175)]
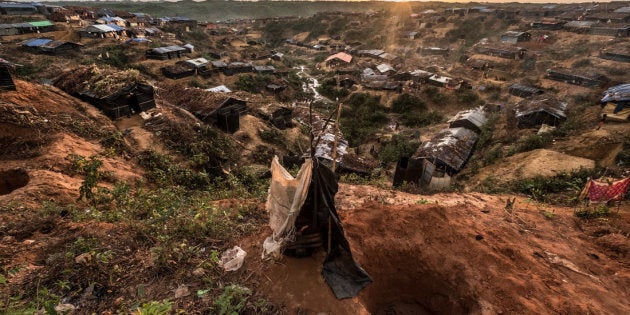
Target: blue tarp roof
[(618, 93), (138, 40), (36, 42), (116, 28)]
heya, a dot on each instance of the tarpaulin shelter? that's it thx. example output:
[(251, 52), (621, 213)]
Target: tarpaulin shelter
[(303, 218)]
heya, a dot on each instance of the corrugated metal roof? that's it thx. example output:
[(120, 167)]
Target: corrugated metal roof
[(198, 62), (218, 64), (421, 73), (475, 116), (513, 33), (524, 88), (36, 42), (17, 5), (617, 93), (546, 104), (451, 146), (117, 28), (219, 89), (99, 28), (168, 49), (264, 68), (382, 68), (580, 24), (368, 72)]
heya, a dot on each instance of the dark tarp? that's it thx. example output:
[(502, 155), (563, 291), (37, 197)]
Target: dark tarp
[(344, 276)]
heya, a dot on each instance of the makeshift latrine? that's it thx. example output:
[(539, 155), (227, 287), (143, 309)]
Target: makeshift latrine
[(304, 219), (533, 112), (116, 93)]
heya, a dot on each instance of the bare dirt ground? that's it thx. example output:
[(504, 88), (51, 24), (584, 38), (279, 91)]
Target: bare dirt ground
[(462, 253)]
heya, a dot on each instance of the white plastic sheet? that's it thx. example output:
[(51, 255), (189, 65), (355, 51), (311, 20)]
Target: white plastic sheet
[(284, 201)]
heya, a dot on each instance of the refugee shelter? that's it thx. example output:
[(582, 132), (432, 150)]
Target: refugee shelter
[(502, 50), (583, 78), (472, 119), (439, 158), (339, 59), (522, 90), (615, 103), (164, 53), (116, 93), (303, 219), (46, 45), (621, 54), (6, 79), (533, 112), (18, 9), (212, 108), (100, 31), (514, 37)]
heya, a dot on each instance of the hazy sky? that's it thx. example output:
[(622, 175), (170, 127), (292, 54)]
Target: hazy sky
[(453, 1)]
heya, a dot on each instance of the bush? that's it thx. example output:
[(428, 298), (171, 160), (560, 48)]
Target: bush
[(541, 188), (252, 83), (328, 88), (362, 115), (398, 147), (582, 63), (406, 103), (529, 143), (273, 136), (422, 119)]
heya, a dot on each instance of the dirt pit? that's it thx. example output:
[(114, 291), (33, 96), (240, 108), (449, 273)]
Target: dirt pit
[(399, 289), (11, 180)]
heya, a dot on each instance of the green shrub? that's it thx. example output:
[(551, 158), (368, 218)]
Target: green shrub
[(362, 115), (273, 136), (406, 103), (398, 147), (585, 62), (421, 119), (597, 211), (232, 300), (542, 188), (252, 83), (328, 88)]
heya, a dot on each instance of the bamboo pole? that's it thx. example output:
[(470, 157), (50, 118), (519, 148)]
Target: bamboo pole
[(334, 165)]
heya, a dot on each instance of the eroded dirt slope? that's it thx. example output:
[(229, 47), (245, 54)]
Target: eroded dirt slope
[(463, 253)]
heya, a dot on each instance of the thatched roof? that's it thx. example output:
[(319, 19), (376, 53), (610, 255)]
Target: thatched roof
[(101, 82)]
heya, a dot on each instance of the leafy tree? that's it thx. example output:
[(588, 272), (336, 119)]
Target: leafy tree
[(328, 88), (398, 147), (362, 115), (406, 103)]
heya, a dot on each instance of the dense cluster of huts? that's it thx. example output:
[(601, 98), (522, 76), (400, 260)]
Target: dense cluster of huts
[(433, 163)]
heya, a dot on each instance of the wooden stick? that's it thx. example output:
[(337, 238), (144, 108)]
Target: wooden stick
[(334, 153)]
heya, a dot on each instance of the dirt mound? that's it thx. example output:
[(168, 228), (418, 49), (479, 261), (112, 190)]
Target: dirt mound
[(602, 145), (40, 127), (463, 254), (534, 163)]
